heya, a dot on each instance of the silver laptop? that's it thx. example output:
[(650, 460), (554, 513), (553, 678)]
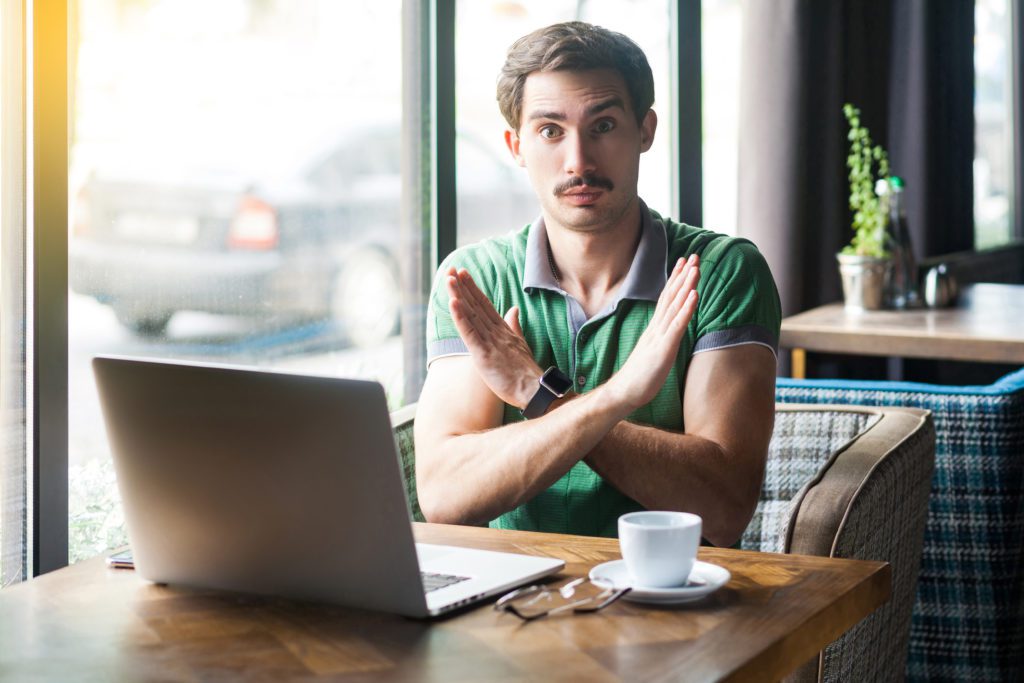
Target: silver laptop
[(280, 484)]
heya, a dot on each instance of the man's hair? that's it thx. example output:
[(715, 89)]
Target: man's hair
[(574, 46)]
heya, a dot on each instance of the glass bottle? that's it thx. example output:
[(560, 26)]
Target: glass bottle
[(903, 287)]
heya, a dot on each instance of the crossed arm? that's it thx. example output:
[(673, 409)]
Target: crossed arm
[(470, 468)]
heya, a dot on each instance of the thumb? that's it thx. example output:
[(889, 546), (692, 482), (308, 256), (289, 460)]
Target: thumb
[(512, 320)]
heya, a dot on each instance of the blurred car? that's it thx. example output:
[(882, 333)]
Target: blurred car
[(317, 241)]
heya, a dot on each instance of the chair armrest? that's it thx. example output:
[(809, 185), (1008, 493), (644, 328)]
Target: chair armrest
[(825, 503)]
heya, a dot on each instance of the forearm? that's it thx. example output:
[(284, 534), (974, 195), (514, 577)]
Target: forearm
[(475, 477), (665, 470)]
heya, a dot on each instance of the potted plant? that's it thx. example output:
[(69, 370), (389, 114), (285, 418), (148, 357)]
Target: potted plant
[(865, 264)]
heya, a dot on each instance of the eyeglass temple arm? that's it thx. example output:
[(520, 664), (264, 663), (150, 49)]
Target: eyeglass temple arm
[(615, 595)]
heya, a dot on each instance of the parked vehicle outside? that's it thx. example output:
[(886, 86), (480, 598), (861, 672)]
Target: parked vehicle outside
[(317, 240)]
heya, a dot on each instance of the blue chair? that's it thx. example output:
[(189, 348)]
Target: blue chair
[(968, 616)]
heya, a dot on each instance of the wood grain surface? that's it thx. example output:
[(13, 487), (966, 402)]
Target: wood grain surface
[(90, 622), (987, 325)]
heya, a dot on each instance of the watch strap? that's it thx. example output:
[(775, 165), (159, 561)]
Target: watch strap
[(545, 396), (540, 402)]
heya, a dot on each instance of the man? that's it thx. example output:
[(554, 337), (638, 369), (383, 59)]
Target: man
[(664, 334)]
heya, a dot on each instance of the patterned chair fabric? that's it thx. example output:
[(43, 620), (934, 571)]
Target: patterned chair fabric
[(968, 617), (402, 421), (851, 482), (845, 482)]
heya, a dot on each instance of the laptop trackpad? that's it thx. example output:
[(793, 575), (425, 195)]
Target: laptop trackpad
[(428, 554)]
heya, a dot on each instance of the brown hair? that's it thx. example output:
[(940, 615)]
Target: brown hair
[(575, 46)]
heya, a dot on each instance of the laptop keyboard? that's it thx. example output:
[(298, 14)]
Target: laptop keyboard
[(433, 582)]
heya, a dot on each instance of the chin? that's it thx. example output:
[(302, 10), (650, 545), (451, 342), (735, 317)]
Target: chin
[(589, 218), (585, 218)]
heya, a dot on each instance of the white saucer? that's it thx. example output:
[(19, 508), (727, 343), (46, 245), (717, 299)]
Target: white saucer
[(705, 578)]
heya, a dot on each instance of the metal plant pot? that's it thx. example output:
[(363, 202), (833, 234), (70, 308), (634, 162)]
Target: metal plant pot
[(865, 280)]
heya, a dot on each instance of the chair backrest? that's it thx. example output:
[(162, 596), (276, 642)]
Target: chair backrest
[(851, 482), (968, 621), (402, 421)]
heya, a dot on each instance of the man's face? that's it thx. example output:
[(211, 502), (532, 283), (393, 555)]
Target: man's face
[(580, 144)]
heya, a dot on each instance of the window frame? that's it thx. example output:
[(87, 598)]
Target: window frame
[(1017, 71), (47, 270)]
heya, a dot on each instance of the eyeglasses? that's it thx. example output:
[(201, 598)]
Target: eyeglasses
[(534, 602)]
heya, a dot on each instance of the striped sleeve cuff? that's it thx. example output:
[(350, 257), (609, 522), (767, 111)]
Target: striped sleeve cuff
[(453, 346), (736, 336)]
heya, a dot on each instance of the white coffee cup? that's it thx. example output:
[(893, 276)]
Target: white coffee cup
[(659, 547)]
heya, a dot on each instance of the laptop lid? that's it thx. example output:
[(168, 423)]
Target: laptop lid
[(261, 481)]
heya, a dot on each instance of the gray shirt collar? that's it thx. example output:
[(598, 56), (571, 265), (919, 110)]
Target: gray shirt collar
[(647, 274)]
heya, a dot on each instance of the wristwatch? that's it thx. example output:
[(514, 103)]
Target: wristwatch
[(553, 384)]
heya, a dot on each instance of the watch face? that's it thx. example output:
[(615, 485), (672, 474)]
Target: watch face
[(557, 381)]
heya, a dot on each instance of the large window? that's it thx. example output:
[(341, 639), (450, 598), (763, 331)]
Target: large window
[(995, 90), (721, 48), (494, 194), (239, 190), (235, 176)]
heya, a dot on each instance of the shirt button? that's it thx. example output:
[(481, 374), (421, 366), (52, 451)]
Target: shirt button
[(581, 380)]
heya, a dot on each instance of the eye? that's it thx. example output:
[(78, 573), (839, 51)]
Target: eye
[(604, 126), (550, 132)]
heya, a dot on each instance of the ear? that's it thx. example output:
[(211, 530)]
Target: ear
[(512, 142), (647, 129)]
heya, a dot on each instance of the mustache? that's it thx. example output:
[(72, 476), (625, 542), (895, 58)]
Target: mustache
[(590, 180)]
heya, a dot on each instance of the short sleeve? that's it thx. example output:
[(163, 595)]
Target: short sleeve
[(739, 303), (442, 336)]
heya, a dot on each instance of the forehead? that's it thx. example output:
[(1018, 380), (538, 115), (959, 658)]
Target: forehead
[(572, 92)]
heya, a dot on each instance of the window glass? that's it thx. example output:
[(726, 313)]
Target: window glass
[(13, 444), (993, 124), (235, 195), (721, 41), (494, 194)]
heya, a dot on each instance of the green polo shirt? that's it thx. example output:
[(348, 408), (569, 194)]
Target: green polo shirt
[(738, 304)]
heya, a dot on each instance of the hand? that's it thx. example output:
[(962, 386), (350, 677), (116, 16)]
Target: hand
[(638, 381), (498, 349)]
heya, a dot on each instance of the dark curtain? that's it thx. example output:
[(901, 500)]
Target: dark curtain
[(908, 66), (931, 121)]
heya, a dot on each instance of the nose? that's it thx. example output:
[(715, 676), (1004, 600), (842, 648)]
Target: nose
[(579, 158)]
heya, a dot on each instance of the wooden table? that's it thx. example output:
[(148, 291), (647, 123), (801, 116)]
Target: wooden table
[(89, 622), (986, 325)]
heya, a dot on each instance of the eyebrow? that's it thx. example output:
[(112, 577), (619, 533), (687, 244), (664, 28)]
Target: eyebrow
[(610, 103)]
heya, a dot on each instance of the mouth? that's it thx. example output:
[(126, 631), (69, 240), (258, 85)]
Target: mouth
[(583, 196), (584, 190)]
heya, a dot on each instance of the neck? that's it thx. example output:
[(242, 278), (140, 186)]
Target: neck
[(591, 265)]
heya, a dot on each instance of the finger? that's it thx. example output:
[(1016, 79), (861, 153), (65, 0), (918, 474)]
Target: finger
[(665, 291), (668, 293), (462, 288), (451, 285), (685, 314), (485, 309), (512, 320), (467, 307), (678, 276), (672, 310), (464, 325)]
